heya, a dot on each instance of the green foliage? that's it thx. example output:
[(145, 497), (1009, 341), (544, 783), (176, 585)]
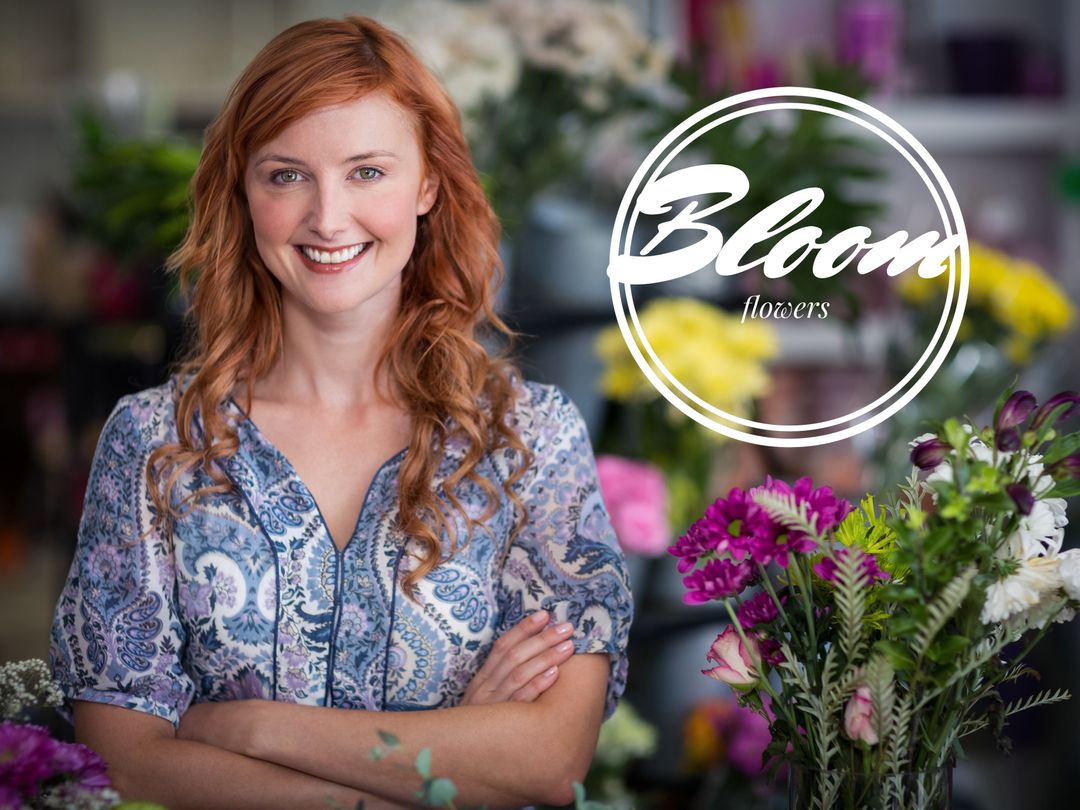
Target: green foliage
[(132, 195), (928, 643)]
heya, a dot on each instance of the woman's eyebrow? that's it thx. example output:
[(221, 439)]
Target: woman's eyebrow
[(376, 153)]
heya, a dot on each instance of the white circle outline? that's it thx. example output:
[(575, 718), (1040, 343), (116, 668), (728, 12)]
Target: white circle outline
[(848, 417), (954, 210)]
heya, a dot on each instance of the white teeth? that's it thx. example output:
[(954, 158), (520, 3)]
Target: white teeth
[(343, 255)]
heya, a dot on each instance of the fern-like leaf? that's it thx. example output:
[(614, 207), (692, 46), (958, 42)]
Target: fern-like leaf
[(851, 582), (879, 678), (942, 608), (788, 511)]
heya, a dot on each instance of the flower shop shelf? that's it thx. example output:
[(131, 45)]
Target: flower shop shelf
[(983, 125)]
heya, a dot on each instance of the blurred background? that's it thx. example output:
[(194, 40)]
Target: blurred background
[(102, 107)]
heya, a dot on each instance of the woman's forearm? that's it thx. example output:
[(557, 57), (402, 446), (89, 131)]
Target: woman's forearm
[(184, 774), (507, 754)]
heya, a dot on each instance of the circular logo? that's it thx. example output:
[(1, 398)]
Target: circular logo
[(658, 189)]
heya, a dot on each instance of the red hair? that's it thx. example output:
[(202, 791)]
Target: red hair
[(447, 380)]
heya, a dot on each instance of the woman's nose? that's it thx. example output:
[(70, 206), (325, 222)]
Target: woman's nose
[(329, 214)]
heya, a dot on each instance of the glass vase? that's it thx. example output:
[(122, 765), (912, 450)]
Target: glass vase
[(812, 789)]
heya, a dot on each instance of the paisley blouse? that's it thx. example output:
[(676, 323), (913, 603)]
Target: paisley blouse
[(252, 599)]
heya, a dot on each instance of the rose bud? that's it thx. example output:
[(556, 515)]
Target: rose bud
[(736, 665), (1016, 409), (1022, 497), (1070, 399), (1068, 467), (929, 454), (859, 717), (1007, 441)]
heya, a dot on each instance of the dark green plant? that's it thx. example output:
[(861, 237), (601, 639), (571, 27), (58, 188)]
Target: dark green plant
[(130, 196)]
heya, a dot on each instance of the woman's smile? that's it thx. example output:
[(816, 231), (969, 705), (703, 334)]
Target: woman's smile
[(332, 260)]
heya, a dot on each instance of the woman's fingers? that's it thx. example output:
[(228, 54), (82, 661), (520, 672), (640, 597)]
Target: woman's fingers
[(523, 663), (537, 686)]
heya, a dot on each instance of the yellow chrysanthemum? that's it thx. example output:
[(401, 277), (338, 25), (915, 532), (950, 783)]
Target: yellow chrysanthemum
[(710, 352), (1016, 293)]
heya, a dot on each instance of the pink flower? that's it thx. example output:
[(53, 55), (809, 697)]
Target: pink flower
[(736, 664), (859, 717), (826, 568), (636, 498), (718, 579), (758, 609)]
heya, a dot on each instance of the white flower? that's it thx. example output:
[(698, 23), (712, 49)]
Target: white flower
[(1039, 534), (465, 45), (1035, 579), (1069, 568)]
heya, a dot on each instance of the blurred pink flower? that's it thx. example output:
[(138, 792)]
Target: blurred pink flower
[(737, 664), (636, 498), (859, 717)]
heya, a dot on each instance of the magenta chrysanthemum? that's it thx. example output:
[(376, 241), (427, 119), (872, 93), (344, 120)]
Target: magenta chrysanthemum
[(758, 609), (700, 539), (827, 567), (718, 579), (826, 512), (770, 650)]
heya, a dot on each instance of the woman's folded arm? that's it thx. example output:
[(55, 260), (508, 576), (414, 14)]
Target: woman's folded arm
[(148, 762), (504, 754)]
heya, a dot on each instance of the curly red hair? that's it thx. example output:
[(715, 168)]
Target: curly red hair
[(448, 380)]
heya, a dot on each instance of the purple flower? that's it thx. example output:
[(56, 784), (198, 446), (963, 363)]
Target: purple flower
[(26, 756), (700, 539), (1007, 441), (718, 579), (929, 454), (770, 650), (1016, 409), (827, 567), (1022, 497), (1068, 467), (1069, 399), (734, 524), (758, 609), (748, 738), (81, 765), (826, 512)]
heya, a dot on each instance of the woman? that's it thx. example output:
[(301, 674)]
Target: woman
[(393, 532)]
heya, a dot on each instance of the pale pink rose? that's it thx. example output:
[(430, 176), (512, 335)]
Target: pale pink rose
[(859, 717), (736, 664), (636, 499)]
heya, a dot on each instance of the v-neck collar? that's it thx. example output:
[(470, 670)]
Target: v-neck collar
[(282, 461)]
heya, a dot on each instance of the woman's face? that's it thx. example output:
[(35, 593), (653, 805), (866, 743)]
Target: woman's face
[(334, 200)]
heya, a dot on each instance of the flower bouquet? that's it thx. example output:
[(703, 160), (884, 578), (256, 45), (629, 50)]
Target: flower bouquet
[(881, 634), (37, 771)]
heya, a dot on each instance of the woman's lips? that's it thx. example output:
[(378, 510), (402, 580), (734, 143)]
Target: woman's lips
[(329, 269)]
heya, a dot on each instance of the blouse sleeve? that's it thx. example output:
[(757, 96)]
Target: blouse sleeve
[(116, 637), (566, 560)]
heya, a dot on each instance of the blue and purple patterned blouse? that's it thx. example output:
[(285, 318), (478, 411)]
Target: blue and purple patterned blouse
[(253, 600)]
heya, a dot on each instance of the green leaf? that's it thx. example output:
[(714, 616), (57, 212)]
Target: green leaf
[(1065, 489), (391, 741), (1062, 447), (439, 792), (948, 648), (423, 763), (897, 654)]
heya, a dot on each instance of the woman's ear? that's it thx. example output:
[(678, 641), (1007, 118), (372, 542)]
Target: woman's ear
[(429, 191)]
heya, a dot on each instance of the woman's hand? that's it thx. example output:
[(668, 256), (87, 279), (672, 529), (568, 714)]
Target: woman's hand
[(228, 724), (523, 663)]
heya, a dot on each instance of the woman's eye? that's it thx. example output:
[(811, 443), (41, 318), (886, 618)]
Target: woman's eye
[(285, 176), (368, 173)]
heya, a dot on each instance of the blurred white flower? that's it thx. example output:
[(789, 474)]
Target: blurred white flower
[(1039, 533), (465, 44), (1070, 572), (1035, 579)]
